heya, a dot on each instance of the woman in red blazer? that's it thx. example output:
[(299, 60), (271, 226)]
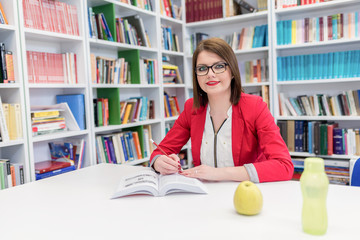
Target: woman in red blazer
[(233, 134)]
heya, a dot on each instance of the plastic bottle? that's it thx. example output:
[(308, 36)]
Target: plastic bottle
[(314, 186)]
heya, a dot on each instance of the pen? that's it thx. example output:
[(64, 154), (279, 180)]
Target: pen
[(162, 151)]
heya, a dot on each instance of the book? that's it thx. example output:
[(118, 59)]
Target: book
[(50, 165), (76, 104), (54, 172), (146, 181)]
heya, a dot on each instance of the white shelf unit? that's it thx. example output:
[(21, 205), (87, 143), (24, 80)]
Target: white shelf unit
[(109, 49), (14, 150), (45, 94), (322, 86)]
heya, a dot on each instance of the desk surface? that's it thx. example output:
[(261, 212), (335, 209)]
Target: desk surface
[(77, 205)]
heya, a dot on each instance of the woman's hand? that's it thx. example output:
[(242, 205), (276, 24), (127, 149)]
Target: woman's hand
[(203, 172), (167, 165)]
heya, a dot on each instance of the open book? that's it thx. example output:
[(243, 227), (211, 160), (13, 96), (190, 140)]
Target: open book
[(148, 182)]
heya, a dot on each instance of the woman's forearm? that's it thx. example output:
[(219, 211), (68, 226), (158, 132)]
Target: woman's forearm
[(237, 174)]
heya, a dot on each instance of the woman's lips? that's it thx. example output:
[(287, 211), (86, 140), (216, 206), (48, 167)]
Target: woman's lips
[(212, 83)]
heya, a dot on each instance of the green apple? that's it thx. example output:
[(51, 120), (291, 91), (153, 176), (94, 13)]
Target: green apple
[(248, 199)]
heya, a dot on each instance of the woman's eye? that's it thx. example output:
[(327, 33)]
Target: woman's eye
[(219, 66), (203, 68)]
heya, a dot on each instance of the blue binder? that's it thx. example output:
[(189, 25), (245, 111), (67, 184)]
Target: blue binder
[(76, 104)]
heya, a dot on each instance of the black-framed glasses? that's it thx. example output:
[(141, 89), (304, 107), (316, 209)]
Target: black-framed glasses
[(217, 68)]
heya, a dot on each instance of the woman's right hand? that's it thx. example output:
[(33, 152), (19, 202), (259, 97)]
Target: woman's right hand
[(167, 165)]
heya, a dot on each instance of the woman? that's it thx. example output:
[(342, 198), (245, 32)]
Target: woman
[(233, 134)]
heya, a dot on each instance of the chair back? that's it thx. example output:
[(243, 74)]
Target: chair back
[(355, 172)]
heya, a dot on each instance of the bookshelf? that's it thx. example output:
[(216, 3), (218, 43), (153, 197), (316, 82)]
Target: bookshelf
[(319, 83), (14, 150), (44, 92)]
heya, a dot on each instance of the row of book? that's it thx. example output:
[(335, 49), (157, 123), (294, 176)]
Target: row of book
[(171, 103), (195, 39), (169, 40), (109, 70), (169, 9), (131, 30), (319, 137), (319, 66), (318, 29), (3, 18), (249, 37), (136, 109), (200, 10), (10, 121), (293, 3), (148, 71), (346, 103), (7, 74), (238, 7), (337, 171), (51, 15), (122, 147), (52, 68), (171, 74), (254, 71), (11, 174), (98, 27)]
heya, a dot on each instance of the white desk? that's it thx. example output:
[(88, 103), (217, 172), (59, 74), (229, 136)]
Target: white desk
[(76, 205)]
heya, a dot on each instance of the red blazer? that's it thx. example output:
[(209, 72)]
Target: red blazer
[(255, 138)]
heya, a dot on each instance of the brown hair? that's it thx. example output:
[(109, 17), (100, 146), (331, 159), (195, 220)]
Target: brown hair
[(223, 50)]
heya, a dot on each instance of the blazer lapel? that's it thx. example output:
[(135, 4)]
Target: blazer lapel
[(237, 133), (197, 129)]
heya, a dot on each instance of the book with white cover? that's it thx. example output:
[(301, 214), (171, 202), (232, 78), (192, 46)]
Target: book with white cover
[(148, 182)]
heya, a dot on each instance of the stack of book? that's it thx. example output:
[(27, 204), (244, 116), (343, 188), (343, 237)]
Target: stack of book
[(136, 109), (200, 10), (47, 121), (70, 151), (171, 74), (109, 70), (51, 168)]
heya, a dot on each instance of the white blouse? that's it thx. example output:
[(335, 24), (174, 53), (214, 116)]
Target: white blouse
[(217, 150)]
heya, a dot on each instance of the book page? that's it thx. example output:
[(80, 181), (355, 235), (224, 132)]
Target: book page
[(143, 182), (179, 183)]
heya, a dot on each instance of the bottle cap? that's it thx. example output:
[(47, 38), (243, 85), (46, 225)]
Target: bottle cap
[(314, 164)]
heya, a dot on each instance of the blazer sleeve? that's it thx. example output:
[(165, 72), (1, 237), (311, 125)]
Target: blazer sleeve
[(278, 165), (178, 135)]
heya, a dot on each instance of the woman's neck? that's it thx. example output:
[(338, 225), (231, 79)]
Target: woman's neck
[(219, 104)]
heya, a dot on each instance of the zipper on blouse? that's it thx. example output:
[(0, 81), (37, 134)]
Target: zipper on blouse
[(215, 139)]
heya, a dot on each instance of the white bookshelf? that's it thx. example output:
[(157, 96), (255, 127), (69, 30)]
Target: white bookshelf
[(330, 87), (44, 94), (14, 150)]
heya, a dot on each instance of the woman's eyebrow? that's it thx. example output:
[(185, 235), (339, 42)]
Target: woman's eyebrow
[(203, 64)]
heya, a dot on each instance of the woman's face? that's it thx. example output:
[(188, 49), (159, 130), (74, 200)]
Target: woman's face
[(213, 83)]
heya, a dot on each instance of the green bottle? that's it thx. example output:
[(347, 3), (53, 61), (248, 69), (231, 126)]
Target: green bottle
[(314, 187)]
